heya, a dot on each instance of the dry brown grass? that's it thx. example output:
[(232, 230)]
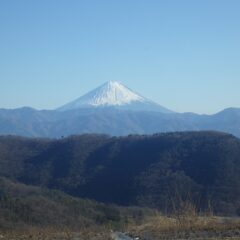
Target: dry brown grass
[(183, 224), (155, 228), (187, 227), (93, 233)]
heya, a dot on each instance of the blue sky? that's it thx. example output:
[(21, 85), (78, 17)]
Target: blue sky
[(184, 54)]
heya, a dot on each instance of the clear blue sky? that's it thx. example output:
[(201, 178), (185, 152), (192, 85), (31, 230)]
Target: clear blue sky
[(183, 54)]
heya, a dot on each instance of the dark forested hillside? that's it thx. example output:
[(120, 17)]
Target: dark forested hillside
[(160, 171), (22, 206)]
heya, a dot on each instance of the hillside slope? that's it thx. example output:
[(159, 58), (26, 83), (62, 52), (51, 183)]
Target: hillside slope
[(24, 206), (155, 171)]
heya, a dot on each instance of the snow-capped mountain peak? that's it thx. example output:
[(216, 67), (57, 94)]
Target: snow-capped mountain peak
[(112, 94)]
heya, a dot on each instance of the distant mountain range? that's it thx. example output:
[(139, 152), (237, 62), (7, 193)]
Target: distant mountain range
[(115, 110)]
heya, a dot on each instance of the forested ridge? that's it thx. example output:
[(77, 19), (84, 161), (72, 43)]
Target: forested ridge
[(158, 171)]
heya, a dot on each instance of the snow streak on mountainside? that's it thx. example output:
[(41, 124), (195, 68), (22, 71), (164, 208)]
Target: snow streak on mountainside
[(114, 94)]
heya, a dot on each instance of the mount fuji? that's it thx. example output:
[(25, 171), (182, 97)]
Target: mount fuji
[(114, 94), (115, 110)]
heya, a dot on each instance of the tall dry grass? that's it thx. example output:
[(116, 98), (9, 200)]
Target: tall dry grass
[(187, 223), (184, 223)]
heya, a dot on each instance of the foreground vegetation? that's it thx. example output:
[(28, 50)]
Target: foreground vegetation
[(148, 171), (33, 213), (24, 207), (154, 228), (187, 227), (179, 183)]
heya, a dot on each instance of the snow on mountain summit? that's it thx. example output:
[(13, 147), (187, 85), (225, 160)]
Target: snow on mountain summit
[(111, 94)]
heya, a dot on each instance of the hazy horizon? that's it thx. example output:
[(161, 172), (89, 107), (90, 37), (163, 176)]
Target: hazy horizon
[(183, 55), (40, 109)]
